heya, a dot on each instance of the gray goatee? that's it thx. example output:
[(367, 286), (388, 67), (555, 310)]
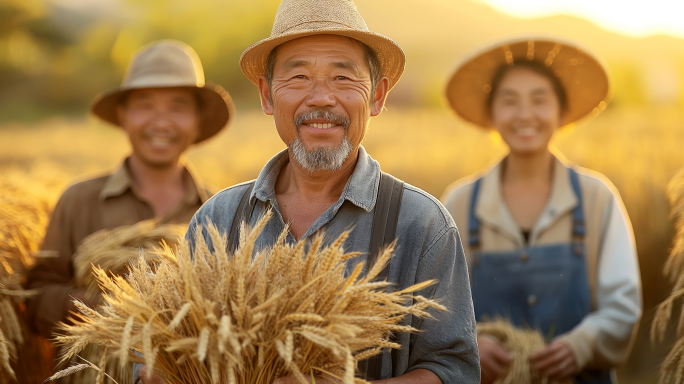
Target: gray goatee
[(321, 159)]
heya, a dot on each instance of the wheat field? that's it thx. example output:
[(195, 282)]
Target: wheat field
[(639, 150)]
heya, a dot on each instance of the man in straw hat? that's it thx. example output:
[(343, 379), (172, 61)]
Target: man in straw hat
[(322, 75), (164, 107)]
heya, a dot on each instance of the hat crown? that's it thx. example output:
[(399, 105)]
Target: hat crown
[(165, 63), (311, 15)]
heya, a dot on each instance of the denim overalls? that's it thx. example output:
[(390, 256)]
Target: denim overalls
[(542, 287)]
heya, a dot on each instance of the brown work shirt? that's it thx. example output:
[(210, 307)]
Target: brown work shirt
[(105, 202)]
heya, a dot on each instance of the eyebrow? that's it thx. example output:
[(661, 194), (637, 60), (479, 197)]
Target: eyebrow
[(345, 65), (537, 91), (295, 64), (303, 63)]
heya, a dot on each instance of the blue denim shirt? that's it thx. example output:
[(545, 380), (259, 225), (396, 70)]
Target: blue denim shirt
[(428, 247)]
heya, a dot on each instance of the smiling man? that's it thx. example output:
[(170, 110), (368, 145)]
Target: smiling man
[(322, 75), (164, 107)]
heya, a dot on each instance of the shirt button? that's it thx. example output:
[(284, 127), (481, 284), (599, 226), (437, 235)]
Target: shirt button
[(531, 300), (524, 257)]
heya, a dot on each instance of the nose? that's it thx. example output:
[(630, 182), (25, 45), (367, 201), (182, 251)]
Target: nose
[(525, 111), (321, 95), (161, 119)]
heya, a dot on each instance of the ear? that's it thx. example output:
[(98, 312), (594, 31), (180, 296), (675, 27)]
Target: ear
[(265, 95), (378, 102)]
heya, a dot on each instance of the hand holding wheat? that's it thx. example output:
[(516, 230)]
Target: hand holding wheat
[(208, 317)]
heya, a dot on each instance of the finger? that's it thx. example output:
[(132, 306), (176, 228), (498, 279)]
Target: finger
[(562, 369), (545, 352), (502, 355), (550, 361), (492, 368)]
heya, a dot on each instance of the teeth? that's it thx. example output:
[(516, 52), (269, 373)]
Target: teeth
[(526, 131), (322, 126), (158, 141)]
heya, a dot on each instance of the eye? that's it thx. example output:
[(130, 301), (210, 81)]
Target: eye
[(341, 78), (302, 77)]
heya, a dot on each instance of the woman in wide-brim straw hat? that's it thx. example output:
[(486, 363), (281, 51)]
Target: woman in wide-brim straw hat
[(549, 245)]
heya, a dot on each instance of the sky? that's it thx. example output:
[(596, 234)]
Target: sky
[(637, 18)]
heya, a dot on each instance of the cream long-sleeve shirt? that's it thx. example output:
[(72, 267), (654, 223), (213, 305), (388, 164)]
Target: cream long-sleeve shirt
[(604, 337)]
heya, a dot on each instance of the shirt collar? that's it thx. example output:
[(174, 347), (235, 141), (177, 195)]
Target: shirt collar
[(360, 190), (121, 180), (491, 207)]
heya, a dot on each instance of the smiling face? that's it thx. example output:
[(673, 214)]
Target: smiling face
[(321, 99), (161, 124), (526, 110)]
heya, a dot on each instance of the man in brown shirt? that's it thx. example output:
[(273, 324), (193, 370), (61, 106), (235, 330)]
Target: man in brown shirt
[(164, 107)]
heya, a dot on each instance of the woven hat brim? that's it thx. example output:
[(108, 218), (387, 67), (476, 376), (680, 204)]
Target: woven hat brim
[(218, 109), (392, 58), (582, 74)]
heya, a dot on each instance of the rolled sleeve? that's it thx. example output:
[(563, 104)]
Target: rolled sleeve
[(446, 345), (603, 339)]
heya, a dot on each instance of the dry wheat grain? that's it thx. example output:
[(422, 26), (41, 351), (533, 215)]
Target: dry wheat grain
[(283, 311)]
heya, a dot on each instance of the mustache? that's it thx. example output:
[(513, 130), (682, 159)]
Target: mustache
[(322, 113)]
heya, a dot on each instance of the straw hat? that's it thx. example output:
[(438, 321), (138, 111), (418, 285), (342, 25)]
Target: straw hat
[(299, 18), (165, 64), (582, 75)]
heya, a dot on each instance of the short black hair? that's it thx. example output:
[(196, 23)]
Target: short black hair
[(370, 55), (535, 66)]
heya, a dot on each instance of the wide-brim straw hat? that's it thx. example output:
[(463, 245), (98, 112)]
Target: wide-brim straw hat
[(170, 64), (300, 18), (583, 76)]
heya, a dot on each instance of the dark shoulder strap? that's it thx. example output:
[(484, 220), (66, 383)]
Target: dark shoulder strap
[(243, 213), (473, 221), (385, 218), (383, 233)]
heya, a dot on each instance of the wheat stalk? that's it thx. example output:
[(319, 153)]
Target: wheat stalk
[(113, 249), (205, 317), (521, 343), (26, 200), (672, 369)]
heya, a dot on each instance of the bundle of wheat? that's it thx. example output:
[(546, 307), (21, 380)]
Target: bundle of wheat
[(112, 250), (521, 343), (672, 369), (206, 317), (26, 200)]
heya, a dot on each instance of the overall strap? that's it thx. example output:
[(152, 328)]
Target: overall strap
[(385, 218), (473, 221), (383, 233), (578, 226), (242, 214)]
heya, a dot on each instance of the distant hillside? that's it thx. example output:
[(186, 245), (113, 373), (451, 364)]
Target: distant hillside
[(437, 33)]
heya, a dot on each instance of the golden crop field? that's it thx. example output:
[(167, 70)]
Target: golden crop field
[(638, 149)]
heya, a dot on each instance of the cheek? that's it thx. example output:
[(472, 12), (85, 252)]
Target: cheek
[(550, 117), (188, 123), (502, 117)]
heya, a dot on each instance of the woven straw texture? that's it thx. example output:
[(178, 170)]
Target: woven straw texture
[(582, 75), (300, 18), (164, 64)]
